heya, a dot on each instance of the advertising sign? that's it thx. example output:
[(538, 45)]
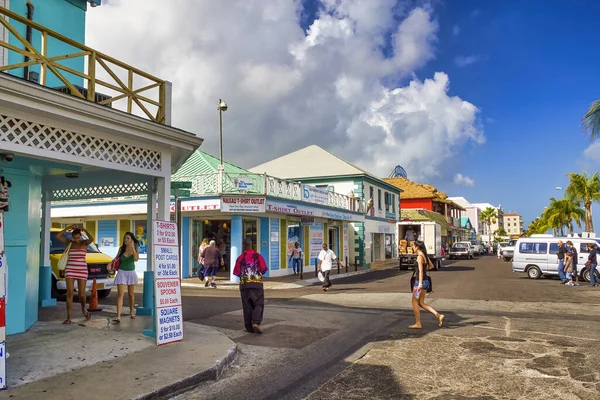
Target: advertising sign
[(346, 239), (315, 195), (2, 365), (167, 285), (198, 205), (243, 184), (243, 204), (304, 221), (316, 241)]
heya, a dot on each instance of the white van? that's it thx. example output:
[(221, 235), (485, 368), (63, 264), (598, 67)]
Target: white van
[(536, 256)]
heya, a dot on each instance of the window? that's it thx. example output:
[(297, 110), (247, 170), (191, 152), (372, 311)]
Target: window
[(533, 248), (393, 203), (553, 248), (371, 194), (583, 248), (379, 198), (388, 201)]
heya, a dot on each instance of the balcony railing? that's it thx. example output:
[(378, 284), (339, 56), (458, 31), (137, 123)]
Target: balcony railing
[(219, 183), (129, 84)]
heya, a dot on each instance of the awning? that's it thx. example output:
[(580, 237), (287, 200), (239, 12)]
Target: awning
[(422, 215)]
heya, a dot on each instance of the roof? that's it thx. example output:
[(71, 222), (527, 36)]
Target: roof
[(422, 215), (511, 215), (465, 223), (309, 162), (201, 163), (412, 190), (461, 201)]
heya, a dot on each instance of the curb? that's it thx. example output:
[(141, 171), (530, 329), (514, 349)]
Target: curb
[(191, 382)]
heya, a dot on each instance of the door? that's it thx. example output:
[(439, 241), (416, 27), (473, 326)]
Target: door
[(552, 259), (377, 246), (333, 240)]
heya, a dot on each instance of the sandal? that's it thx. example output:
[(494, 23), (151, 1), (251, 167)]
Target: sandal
[(441, 318), (87, 315), (67, 322), (132, 316), (117, 320)]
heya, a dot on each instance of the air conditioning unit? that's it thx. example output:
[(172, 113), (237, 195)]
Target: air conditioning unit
[(97, 98)]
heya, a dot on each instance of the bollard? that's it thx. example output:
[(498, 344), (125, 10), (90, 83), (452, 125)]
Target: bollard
[(346, 264), (316, 266), (338, 261), (355, 264), (302, 269)]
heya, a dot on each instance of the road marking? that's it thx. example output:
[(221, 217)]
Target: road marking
[(539, 333), (507, 327)]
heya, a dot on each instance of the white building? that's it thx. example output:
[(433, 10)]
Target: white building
[(513, 224), (472, 212), (496, 225)]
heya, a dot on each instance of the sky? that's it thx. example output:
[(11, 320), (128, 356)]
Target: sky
[(482, 99)]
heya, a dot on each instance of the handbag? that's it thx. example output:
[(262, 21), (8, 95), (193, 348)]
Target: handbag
[(62, 261), (201, 272), (413, 279), (116, 263)]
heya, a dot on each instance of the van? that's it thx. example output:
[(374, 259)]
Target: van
[(536, 256), (96, 263)]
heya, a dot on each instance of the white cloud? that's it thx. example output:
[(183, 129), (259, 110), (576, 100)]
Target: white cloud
[(462, 180), (592, 152), (287, 89), (463, 61), (455, 30)]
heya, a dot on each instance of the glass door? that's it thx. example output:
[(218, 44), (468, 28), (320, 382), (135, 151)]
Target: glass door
[(250, 231)]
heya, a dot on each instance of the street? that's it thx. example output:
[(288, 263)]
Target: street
[(506, 336)]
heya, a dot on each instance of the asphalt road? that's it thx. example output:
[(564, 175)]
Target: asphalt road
[(353, 342)]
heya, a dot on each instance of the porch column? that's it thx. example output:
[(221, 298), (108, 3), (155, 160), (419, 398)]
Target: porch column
[(148, 298), (45, 288), (236, 245)]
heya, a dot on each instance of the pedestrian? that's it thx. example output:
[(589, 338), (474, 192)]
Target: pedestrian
[(572, 268), (212, 260), (326, 258), (593, 263), (562, 250), (296, 258), (126, 258), (250, 268), (76, 269), (499, 250), (203, 246), (421, 284)]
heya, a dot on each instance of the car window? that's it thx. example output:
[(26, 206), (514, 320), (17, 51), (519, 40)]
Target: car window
[(57, 247), (583, 248), (553, 248), (533, 248)]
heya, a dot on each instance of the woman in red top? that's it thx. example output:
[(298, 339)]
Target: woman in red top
[(77, 269)]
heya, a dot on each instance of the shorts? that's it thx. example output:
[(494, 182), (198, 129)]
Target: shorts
[(210, 271), (425, 284)]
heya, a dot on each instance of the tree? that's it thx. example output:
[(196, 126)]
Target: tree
[(585, 188), (501, 232), (591, 120), (561, 213), (538, 226), (490, 216)]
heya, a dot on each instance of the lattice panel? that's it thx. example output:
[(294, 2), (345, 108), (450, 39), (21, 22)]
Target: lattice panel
[(97, 192), (30, 134)]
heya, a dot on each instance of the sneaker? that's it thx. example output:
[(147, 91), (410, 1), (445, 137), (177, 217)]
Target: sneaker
[(256, 328), (569, 284), (207, 284), (213, 285), (576, 284)]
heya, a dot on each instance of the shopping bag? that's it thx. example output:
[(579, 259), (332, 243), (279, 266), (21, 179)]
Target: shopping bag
[(321, 277), (62, 261)]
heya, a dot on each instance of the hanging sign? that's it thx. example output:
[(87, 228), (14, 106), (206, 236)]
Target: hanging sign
[(167, 284), (316, 241)]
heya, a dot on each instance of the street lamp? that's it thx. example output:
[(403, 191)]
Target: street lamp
[(222, 106)]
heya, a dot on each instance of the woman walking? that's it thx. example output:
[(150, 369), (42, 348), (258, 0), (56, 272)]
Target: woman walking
[(76, 269), (126, 276), (421, 285)]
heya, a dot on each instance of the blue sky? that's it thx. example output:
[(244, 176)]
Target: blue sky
[(535, 69)]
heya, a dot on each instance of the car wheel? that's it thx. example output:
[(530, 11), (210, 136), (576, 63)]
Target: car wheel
[(102, 294), (534, 272), (586, 275), (507, 259)]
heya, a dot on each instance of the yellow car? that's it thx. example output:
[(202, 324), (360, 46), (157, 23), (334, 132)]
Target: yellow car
[(96, 263)]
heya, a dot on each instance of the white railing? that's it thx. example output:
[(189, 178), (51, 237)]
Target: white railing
[(218, 183)]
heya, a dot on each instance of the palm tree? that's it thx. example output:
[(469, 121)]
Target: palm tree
[(538, 226), (586, 189), (562, 212), (591, 120), (489, 215)]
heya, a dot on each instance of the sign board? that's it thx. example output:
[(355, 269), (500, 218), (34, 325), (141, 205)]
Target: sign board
[(315, 241), (346, 240), (304, 221), (181, 185), (243, 184), (274, 236), (313, 194), (167, 284), (181, 192), (2, 365), (243, 204), (198, 205), (309, 211)]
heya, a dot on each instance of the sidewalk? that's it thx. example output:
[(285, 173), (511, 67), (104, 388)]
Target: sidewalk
[(99, 360)]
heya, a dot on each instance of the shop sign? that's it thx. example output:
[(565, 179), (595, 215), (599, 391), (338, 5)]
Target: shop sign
[(316, 241), (243, 184), (346, 240), (275, 236), (384, 229), (274, 206), (304, 221), (167, 291), (2, 365), (243, 204), (337, 215), (198, 205), (313, 194)]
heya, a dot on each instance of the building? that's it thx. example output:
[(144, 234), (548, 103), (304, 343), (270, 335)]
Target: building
[(70, 143), (416, 196), (472, 212), (513, 224), (496, 225), (374, 239), (228, 206)]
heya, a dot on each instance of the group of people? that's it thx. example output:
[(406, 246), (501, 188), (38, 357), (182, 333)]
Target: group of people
[(77, 271), (567, 263)]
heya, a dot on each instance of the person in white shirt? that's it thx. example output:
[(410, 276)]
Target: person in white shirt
[(410, 235), (326, 258)]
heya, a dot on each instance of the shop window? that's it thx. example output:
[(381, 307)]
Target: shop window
[(249, 227), (379, 199)]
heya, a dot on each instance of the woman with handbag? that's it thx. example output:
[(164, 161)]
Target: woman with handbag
[(422, 281), (76, 267), (124, 263)]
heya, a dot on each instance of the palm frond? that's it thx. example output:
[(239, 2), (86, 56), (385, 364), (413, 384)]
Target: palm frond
[(591, 120)]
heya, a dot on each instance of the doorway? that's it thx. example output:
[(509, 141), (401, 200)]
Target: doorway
[(333, 240), (377, 246)]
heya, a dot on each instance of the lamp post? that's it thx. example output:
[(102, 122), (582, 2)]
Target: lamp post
[(222, 106)]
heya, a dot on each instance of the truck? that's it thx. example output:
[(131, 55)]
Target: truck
[(429, 232)]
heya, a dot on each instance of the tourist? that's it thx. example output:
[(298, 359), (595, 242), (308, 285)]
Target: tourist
[(562, 250), (572, 268), (296, 258), (250, 268), (593, 263), (212, 260), (326, 258), (76, 269), (422, 283), (203, 245), (124, 262)]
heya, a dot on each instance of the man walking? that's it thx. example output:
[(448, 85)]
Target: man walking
[(326, 258), (250, 267), (212, 260), (572, 273), (562, 250)]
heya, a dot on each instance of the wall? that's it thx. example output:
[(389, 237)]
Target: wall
[(22, 240), (427, 204), (66, 17), (264, 241)]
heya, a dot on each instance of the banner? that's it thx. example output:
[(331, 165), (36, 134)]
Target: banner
[(316, 241), (243, 204), (312, 194)]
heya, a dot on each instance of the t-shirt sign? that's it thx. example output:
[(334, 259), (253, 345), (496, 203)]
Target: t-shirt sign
[(167, 284)]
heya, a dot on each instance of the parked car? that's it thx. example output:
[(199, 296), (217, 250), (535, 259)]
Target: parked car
[(96, 263), (507, 251), (477, 247), (537, 256), (460, 250)]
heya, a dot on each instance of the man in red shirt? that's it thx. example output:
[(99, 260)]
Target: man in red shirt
[(250, 267)]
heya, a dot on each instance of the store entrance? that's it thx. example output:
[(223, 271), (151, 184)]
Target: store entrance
[(333, 240), (377, 246)]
